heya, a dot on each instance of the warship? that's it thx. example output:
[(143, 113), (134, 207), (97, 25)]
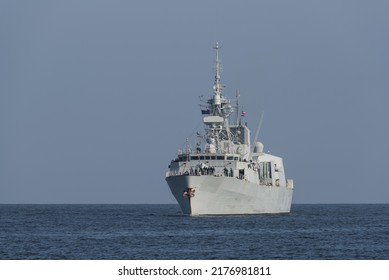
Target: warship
[(225, 173)]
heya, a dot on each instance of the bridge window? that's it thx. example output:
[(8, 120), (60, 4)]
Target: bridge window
[(183, 158)]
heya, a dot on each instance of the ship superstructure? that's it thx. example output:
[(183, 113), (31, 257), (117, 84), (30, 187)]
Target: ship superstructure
[(226, 175)]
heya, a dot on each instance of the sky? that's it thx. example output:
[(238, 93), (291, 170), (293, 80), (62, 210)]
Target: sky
[(96, 97)]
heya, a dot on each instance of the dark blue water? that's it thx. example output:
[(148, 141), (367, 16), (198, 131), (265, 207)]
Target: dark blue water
[(162, 232)]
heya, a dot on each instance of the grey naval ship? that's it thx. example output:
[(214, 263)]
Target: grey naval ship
[(227, 174)]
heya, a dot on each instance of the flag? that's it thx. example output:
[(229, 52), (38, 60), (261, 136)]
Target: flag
[(205, 112), (243, 114)]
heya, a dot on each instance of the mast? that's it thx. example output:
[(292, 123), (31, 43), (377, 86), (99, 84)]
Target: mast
[(217, 85), (237, 107), (218, 129), (220, 105)]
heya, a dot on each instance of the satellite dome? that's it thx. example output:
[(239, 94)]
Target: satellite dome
[(258, 148)]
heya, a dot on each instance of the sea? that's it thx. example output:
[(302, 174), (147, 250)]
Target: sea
[(162, 232)]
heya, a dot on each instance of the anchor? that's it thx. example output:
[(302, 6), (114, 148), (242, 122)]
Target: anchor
[(189, 192)]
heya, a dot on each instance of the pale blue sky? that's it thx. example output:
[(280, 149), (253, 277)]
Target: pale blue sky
[(97, 96)]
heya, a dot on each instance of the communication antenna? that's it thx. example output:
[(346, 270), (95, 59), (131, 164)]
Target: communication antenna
[(257, 132), (237, 107)]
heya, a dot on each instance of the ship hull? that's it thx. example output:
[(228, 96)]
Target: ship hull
[(212, 195)]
